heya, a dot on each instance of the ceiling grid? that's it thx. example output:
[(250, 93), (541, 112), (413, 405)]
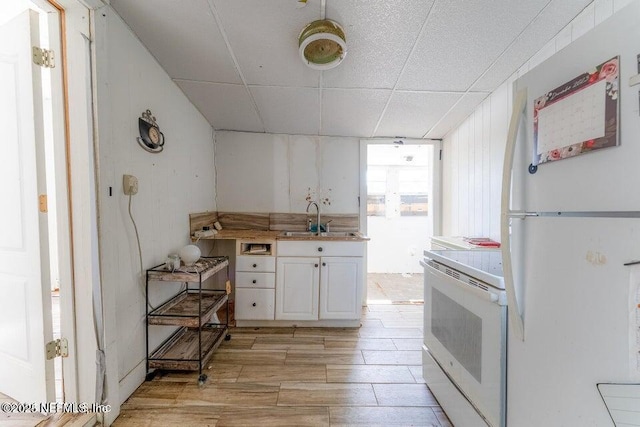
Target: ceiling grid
[(404, 66), (414, 68), (212, 7), (426, 135)]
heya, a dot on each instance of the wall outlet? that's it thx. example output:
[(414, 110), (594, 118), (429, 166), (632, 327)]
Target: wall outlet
[(130, 185)]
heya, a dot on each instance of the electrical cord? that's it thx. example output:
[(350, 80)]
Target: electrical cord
[(213, 246), (135, 227)]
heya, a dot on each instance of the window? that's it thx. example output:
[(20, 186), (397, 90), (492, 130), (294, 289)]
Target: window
[(413, 186), (414, 205), (376, 189), (398, 190)]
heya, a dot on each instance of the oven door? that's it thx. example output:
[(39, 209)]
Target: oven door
[(465, 332)]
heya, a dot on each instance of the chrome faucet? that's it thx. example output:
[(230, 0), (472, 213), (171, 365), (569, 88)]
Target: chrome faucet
[(317, 215)]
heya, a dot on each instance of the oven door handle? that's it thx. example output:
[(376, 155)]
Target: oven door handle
[(481, 293)]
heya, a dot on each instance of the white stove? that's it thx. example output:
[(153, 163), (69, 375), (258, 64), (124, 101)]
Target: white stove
[(484, 265), (465, 335)]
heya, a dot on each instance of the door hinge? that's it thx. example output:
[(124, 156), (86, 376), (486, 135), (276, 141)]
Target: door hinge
[(43, 57), (57, 348), (42, 203)]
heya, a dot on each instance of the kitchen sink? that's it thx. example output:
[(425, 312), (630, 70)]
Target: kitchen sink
[(298, 233), (323, 234), (338, 234)]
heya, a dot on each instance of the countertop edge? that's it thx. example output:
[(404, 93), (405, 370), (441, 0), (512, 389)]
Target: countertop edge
[(277, 235)]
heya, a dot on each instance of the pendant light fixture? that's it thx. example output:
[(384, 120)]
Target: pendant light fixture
[(322, 44)]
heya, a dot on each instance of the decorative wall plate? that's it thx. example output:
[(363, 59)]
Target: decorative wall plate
[(151, 139)]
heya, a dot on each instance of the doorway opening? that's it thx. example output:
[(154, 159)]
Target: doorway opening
[(400, 217)]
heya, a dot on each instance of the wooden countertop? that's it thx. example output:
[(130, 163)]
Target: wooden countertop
[(359, 237), (278, 235), (244, 234)]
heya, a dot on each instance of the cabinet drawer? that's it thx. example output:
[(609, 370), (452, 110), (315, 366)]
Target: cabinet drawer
[(320, 248), (255, 304), (256, 263), (255, 280)]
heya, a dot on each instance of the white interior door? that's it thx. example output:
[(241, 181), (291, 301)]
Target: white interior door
[(25, 305)]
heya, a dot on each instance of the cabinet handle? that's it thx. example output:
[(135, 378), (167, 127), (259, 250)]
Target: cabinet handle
[(255, 265), (320, 249), (254, 281), (324, 264), (316, 265), (254, 304)]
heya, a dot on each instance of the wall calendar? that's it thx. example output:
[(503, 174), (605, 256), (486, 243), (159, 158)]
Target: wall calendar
[(578, 117)]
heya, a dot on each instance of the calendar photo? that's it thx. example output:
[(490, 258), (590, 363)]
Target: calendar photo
[(578, 117)]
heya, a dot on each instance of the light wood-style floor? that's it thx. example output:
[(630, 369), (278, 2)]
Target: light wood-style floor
[(301, 376), (17, 419), (387, 288)]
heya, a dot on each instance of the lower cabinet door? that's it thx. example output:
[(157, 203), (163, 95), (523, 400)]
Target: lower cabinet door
[(254, 304), (340, 287), (297, 282)]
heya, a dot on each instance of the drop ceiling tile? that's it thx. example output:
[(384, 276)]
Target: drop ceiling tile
[(225, 106), (185, 40), (352, 112), (458, 113), (380, 35), (264, 38), (548, 25), (412, 114), (295, 111), (461, 40)]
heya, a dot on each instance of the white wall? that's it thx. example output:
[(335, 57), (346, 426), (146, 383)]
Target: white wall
[(172, 184), (259, 172), (473, 152)]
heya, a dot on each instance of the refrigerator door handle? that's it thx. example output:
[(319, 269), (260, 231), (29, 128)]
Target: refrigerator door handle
[(515, 317), (521, 214)]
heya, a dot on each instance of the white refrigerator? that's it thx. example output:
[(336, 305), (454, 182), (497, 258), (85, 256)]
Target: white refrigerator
[(569, 226)]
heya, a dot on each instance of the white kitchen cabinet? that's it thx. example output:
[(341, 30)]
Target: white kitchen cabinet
[(254, 304), (255, 281), (256, 263), (340, 296), (297, 288), (319, 280)]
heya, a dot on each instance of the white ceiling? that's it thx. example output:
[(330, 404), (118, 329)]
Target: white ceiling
[(414, 68)]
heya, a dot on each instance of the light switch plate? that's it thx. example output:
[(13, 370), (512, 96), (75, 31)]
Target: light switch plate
[(130, 185)]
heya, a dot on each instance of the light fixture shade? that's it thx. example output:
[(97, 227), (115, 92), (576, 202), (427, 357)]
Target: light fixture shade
[(322, 44)]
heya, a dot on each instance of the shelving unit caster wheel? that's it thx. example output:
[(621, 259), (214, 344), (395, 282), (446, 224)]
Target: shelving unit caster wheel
[(202, 379), (227, 337), (150, 376)]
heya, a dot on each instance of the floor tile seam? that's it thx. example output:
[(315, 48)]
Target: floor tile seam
[(393, 424)]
